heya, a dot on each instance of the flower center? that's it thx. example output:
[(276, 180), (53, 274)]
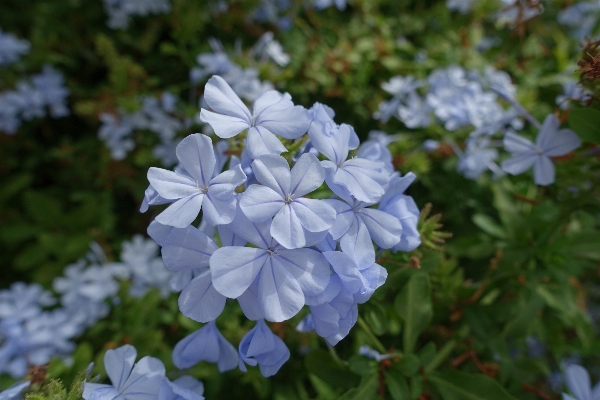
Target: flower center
[(288, 199)]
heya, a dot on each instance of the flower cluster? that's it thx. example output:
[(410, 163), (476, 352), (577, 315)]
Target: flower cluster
[(581, 18), (120, 11), (11, 48), (142, 380), (279, 247), (30, 99), (156, 115)]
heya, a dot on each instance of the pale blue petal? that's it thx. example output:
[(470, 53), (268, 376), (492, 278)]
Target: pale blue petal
[(578, 382), (260, 141), (187, 248), (306, 176), (171, 185), (357, 244), (183, 212), (330, 141), (257, 233), (373, 277), (314, 215), (308, 266), (217, 211), (225, 126), (235, 268), (397, 187), (273, 172), (118, 364), (223, 185), (144, 381), (346, 269), (103, 393), (567, 397), (514, 143), (260, 203), (260, 346), (287, 229), (195, 153), (250, 303), (202, 345), (331, 291), (279, 292), (543, 171), (361, 186), (519, 163), (159, 232), (270, 364), (384, 229), (277, 113), (200, 301), (229, 237), (596, 392), (261, 341), (343, 220), (555, 142), (326, 319), (221, 98), (328, 244)]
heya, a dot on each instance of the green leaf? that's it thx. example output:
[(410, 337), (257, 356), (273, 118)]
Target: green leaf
[(396, 385), (320, 363), (489, 226), (376, 318), (586, 123), (456, 385), (413, 304), (408, 365), (366, 391)]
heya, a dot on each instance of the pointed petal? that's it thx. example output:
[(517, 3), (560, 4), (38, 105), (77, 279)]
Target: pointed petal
[(276, 112), (171, 185), (514, 143), (287, 229), (555, 142), (260, 203), (357, 244), (519, 163), (217, 211), (118, 364), (260, 141), (234, 269), (225, 126), (307, 175), (273, 172), (223, 185), (187, 248), (181, 213), (384, 229), (314, 215), (543, 171), (196, 155), (578, 381), (308, 266), (279, 292), (202, 345), (200, 301), (346, 269), (222, 99)]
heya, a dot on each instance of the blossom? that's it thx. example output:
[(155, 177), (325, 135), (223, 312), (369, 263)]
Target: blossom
[(550, 142), (260, 346), (133, 382), (273, 113), (11, 48), (206, 344), (363, 179), (195, 188), (280, 196), (14, 391), (182, 388), (578, 382), (282, 276), (119, 11)]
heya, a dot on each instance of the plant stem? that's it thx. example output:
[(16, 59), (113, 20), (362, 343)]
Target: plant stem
[(371, 335)]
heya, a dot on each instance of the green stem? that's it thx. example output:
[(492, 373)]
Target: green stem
[(335, 356), (441, 356), (371, 335)]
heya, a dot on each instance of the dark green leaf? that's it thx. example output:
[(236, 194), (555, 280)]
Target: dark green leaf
[(586, 124), (413, 304), (320, 363), (456, 385)]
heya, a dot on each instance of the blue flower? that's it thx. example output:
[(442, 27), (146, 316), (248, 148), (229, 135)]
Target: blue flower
[(550, 142), (119, 11), (260, 346), (283, 276), (132, 382), (11, 48), (195, 188), (13, 392), (273, 113), (296, 218), (182, 388), (206, 344), (578, 382)]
